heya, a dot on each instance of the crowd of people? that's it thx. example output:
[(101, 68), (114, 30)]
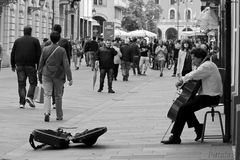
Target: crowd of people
[(50, 62)]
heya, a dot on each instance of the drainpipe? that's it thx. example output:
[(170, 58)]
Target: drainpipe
[(227, 85)]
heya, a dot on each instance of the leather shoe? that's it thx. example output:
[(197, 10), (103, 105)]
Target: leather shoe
[(99, 90), (111, 91), (198, 131), (172, 140)]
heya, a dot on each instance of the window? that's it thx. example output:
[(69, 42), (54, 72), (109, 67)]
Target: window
[(157, 1), (95, 2), (100, 2), (188, 14), (172, 2), (172, 14)]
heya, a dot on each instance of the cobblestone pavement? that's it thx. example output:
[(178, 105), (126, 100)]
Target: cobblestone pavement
[(135, 117)]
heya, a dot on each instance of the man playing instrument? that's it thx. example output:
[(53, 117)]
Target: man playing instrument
[(208, 94)]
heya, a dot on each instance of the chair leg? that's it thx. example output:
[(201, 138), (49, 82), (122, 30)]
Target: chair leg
[(204, 126), (221, 124)]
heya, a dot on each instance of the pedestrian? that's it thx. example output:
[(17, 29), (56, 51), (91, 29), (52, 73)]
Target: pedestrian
[(117, 58), (184, 65), (25, 56), (127, 59), (1, 55), (104, 59), (91, 48), (53, 70), (144, 59), (176, 49), (66, 44), (161, 53), (209, 94), (76, 54), (136, 56)]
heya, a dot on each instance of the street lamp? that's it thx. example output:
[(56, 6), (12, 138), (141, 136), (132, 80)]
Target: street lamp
[(33, 8)]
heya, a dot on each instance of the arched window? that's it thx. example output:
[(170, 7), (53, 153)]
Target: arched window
[(188, 14), (172, 14)]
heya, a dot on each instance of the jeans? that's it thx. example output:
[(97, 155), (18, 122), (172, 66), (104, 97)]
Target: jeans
[(144, 61), (136, 65), (125, 66), (48, 84), (103, 73), (24, 72)]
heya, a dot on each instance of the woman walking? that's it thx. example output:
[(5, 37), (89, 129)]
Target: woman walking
[(161, 52), (184, 65), (53, 68)]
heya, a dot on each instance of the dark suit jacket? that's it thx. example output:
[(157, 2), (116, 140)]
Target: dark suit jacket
[(26, 51)]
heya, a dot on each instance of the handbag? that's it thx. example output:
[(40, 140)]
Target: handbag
[(39, 94)]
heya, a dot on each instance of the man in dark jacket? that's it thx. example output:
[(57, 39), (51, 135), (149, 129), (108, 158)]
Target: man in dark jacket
[(127, 59), (104, 59), (25, 56), (136, 56), (91, 48)]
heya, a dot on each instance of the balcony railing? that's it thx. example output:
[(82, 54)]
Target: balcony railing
[(121, 3)]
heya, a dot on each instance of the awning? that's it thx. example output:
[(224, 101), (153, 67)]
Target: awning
[(208, 19)]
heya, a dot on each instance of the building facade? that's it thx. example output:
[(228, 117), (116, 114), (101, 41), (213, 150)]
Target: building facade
[(177, 16), (107, 10), (76, 20)]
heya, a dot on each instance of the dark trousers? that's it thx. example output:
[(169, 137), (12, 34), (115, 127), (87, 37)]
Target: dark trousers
[(175, 66), (115, 71), (136, 60), (186, 112), (103, 73), (24, 72)]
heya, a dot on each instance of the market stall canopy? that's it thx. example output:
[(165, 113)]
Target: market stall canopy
[(208, 19), (120, 33), (141, 33), (192, 33)]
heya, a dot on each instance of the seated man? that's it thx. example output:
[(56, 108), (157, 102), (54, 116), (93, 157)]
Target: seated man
[(208, 94)]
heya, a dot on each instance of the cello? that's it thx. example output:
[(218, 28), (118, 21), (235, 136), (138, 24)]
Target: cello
[(189, 90)]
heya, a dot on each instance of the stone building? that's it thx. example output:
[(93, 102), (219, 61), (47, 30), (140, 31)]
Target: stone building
[(170, 25), (75, 19), (107, 10)]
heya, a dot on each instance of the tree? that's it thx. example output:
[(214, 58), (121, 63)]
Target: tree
[(144, 15), (153, 12)]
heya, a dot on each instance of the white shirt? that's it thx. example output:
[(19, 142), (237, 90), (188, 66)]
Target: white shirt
[(210, 76)]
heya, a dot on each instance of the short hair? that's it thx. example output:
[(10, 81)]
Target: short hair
[(27, 30), (199, 53), (58, 28), (55, 36), (45, 39)]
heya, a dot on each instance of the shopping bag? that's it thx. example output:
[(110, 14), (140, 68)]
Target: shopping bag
[(39, 94)]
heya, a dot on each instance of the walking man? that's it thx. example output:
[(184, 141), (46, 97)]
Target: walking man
[(127, 59), (104, 59), (25, 56)]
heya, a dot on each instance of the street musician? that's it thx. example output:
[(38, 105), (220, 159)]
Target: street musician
[(208, 94)]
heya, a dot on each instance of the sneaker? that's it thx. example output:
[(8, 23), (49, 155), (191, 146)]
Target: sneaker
[(30, 102), (111, 91), (46, 118), (22, 106), (59, 119)]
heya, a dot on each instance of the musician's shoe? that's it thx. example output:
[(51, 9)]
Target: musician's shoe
[(198, 131), (172, 140)]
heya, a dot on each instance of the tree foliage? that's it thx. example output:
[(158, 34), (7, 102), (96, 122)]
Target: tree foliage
[(141, 16)]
